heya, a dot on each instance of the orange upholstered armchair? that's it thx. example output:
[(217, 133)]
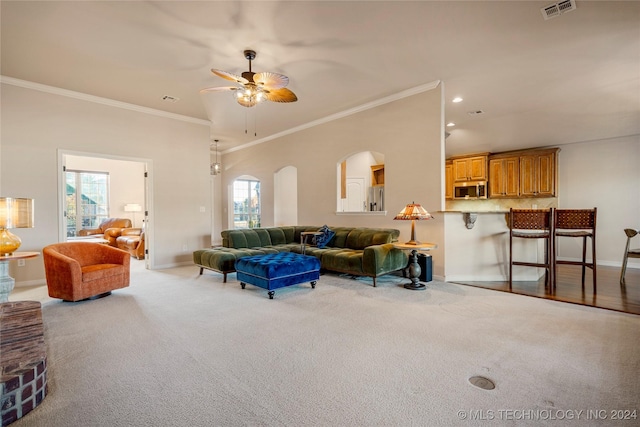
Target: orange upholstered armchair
[(81, 270), (110, 228)]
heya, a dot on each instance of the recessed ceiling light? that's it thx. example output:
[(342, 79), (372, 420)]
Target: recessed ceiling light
[(450, 124), (456, 99)]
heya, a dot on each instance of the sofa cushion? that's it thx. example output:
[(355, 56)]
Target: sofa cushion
[(360, 238), (265, 237), (234, 239), (340, 239), (277, 236), (345, 260)]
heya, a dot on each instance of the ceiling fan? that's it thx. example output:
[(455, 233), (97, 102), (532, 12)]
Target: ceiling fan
[(255, 87)]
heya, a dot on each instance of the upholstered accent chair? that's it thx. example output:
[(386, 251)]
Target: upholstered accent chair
[(110, 228), (132, 241), (81, 270)]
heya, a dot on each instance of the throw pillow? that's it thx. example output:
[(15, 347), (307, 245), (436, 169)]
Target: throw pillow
[(322, 240)]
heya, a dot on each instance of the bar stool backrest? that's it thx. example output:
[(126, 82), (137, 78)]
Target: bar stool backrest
[(575, 219), (530, 219)]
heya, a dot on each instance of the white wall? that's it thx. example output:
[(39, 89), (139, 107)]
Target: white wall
[(36, 124), (606, 175), (285, 196), (408, 132)]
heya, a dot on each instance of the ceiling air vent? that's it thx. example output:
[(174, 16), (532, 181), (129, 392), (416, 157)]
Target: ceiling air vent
[(475, 112), (170, 98), (557, 9)]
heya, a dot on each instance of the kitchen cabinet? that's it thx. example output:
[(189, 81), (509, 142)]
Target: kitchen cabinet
[(504, 177), (448, 174), (470, 168), (377, 175), (524, 173), (538, 173)]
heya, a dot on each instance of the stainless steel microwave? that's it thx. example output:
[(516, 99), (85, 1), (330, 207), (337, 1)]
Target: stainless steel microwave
[(470, 190)]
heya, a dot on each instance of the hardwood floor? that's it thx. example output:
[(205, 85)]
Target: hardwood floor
[(609, 294)]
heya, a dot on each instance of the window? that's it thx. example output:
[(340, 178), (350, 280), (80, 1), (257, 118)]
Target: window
[(87, 200), (246, 203)]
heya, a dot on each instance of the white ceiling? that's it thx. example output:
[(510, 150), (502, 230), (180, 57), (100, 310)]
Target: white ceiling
[(539, 82)]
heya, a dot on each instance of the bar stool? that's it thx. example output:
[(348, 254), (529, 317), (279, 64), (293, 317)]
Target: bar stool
[(633, 253), (579, 223), (532, 224)]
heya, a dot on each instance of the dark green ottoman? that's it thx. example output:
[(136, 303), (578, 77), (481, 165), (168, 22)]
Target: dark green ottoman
[(275, 271)]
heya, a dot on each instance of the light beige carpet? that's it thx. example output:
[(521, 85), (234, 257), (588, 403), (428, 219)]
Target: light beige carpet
[(179, 349)]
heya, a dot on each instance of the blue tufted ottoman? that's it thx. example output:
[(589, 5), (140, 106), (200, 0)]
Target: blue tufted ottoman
[(273, 271)]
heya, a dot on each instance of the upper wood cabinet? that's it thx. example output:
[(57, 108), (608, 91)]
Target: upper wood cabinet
[(538, 173), (526, 173), (377, 175), (448, 174), (504, 177), (470, 168)]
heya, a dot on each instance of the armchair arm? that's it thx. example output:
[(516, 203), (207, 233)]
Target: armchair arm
[(382, 259), (111, 234), (111, 255), (62, 270), (131, 232), (89, 231)]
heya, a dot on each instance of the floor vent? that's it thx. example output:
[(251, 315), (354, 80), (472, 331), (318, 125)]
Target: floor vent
[(557, 9), (482, 382)]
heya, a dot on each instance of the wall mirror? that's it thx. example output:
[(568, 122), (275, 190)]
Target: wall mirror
[(361, 183)]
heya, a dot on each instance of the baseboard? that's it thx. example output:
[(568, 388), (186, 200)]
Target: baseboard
[(27, 283)]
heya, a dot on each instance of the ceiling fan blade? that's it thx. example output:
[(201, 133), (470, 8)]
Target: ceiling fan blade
[(280, 95), (219, 89), (271, 80), (229, 76)]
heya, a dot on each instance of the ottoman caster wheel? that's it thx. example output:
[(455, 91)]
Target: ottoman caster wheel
[(271, 293), (313, 285), (242, 284)]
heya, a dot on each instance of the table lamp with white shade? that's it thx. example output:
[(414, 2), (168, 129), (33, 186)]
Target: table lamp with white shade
[(14, 213)]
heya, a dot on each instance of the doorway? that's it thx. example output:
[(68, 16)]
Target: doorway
[(128, 184)]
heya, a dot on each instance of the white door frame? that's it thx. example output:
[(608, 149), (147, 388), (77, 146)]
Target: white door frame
[(148, 197)]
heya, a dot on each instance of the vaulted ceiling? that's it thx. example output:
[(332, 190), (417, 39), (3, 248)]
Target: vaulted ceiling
[(535, 82)]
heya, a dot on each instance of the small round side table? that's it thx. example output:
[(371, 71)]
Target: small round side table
[(414, 267)]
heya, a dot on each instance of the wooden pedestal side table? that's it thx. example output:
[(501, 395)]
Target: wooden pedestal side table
[(7, 282), (414, 267)]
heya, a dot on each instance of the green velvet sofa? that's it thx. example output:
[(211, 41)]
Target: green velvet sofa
[(358, 251)]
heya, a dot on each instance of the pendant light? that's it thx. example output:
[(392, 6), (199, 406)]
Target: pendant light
[(216, 167)]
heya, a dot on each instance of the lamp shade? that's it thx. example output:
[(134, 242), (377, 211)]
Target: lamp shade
[(16, 212), (132, 207), (413, 211)]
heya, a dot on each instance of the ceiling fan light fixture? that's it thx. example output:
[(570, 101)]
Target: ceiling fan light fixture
[(255, 87)]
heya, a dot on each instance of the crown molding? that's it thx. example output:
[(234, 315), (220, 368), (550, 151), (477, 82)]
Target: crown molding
[(99, 100), (369, 105)]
